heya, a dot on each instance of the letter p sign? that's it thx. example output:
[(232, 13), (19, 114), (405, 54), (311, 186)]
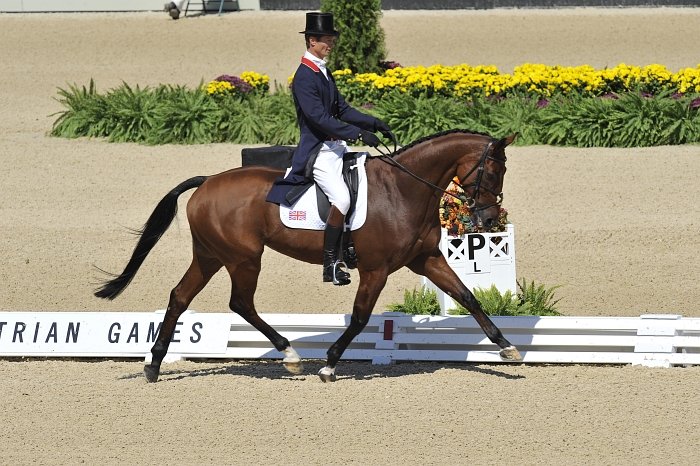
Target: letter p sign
[(478, 254)]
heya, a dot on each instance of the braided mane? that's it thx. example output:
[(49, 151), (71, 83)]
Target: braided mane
[(436, 135)]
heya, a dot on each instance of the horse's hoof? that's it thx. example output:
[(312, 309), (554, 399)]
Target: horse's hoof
[(327, 375), (295, 368), (151, 372), (292, 361), (510, 353)]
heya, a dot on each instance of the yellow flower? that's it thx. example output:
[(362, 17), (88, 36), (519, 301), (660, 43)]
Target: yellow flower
[(529, 78), (218, 87), (256, 80)]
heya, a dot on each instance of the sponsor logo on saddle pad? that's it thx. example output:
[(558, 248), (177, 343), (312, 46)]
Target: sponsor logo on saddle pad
[(304, 213)]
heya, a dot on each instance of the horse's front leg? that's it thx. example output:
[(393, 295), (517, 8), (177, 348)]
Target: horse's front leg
[(371, 284), (434, 267)]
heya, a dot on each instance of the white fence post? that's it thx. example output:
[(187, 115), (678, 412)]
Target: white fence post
[(388, 327), (655, 339)]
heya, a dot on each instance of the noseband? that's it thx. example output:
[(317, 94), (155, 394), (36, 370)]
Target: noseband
[(479, 168)]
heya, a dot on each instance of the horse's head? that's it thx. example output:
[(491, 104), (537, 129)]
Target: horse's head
[(483, 183)]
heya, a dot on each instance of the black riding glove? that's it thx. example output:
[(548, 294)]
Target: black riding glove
[(369, 138), (383, 128)]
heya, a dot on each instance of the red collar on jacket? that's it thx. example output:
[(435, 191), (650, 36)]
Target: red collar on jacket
[(310, 64)]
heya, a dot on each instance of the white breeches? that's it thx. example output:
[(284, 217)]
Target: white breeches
[(328, 174)]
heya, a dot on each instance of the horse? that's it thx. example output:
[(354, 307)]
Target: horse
[(231, 223)]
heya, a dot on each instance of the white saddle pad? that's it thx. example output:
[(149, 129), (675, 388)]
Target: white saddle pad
[(304, 213)]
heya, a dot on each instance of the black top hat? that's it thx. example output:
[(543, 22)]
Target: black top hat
[(320, 24)]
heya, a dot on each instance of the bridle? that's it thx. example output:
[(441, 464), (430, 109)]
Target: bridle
[(487, 154), (479, 167)]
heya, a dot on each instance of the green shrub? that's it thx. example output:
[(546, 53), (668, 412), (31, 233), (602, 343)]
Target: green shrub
[(185, 117), (531, 299), (282, 126), (494, 303), (640, 119), (85, 113), (683, 123), (243, 121), (131, 113), (538, 297), (577, 121), (520, 115), (627, 120), (179, 115), (411, 118), (423, 301), (360, 46)]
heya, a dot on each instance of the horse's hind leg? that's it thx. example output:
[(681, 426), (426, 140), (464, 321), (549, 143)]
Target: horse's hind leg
[(244, 281), (197, 276), (435, 268)]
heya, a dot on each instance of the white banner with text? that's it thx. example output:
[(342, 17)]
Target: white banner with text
[(109, 334)]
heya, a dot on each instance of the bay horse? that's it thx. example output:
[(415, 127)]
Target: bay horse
[(231, 223)]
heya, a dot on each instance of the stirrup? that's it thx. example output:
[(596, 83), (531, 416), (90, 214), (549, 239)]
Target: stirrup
[(338, 276)]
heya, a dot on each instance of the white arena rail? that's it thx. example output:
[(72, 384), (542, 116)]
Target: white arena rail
[(650, 340)]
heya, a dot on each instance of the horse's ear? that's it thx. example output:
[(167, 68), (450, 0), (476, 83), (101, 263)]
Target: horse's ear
[(508, 140)]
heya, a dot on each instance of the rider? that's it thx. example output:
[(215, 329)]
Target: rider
[(326, 122)]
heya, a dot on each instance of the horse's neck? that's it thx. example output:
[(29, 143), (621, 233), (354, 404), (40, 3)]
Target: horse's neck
[(436, 162)]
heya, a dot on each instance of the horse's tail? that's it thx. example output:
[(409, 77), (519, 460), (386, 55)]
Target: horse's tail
[(149, 234)]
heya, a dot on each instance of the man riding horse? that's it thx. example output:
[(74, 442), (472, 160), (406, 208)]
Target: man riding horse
[(326, 122), (232, 222)]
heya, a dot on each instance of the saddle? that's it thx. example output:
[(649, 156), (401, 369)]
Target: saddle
[(296, 216), (350, 176), (352, 181)]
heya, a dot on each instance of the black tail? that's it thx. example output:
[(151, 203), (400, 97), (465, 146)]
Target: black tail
[(155, 226)]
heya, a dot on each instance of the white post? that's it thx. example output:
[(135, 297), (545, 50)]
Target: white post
[(385, 341), (655, 337)]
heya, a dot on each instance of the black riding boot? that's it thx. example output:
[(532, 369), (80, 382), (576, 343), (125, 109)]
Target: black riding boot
[(332, 271), (331, 265)]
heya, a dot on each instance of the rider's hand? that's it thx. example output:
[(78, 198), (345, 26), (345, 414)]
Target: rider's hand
[(383, 128), (369, 138)]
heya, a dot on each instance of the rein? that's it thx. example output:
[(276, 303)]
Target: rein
[(387, 157)]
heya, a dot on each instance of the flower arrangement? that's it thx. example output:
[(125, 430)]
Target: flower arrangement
[(606, 116), (529, 79), (455, 216), (249, 82)]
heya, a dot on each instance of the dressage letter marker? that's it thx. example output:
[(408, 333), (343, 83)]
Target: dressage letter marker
[(478, 254)]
